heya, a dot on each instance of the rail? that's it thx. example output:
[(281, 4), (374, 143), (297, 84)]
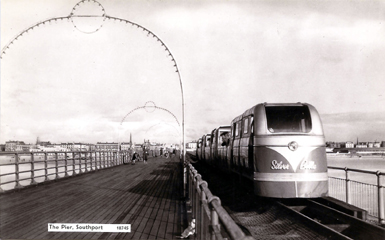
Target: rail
[(369, 196), (212, 220), (30, 168)]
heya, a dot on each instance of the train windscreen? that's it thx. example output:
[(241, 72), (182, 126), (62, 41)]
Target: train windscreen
[(288, 119)]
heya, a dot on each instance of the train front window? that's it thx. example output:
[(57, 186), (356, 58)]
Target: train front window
[(288, 119)]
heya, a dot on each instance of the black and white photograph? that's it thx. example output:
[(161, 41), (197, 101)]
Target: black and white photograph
[(195, 119)]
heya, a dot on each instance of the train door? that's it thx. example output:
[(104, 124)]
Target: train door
[(236, 144), (213, 149), (246, 149), (229, 149), (197, 152), (202, 149), (251, 145), (221, 139), (244, 143), (207, 147)]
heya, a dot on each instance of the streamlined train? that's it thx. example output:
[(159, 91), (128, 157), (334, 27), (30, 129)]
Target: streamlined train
[(279, 146)]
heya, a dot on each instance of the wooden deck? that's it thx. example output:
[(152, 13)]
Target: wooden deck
[(147, 196)]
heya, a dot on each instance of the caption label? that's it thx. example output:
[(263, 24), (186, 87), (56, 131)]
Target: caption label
[(88, 227)]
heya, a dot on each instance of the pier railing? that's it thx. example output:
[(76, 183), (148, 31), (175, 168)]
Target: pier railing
[(368, 196), (20, 169), (212, 220)]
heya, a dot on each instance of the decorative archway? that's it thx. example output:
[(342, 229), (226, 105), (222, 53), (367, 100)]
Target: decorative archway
[(97, 17)]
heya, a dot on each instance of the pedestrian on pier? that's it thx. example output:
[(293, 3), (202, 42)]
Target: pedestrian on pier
[(145, 156), (134, 157)]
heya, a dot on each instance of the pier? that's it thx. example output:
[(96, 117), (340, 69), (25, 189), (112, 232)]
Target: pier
[(147, 196)]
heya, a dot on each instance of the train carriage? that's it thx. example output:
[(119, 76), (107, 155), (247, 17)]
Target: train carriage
[(219, 146), (206, 143), (198, 150), (279, 146), (288, 150)]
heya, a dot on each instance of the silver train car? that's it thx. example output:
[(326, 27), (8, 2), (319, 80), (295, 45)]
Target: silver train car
[(279, 146)]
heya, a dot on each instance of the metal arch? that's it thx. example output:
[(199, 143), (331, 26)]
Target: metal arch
[(156, 107), (163, 123), (172, 59), (6, 47), (3, 52)]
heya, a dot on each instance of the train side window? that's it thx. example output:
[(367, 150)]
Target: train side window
[(246, 125), (208, 141), (251, 124), (236, 129)]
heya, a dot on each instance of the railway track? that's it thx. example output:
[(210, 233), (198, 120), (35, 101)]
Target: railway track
[(332, 223), (266, 218)]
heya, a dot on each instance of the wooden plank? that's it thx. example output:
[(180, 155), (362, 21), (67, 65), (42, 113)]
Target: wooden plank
[(141, 195)]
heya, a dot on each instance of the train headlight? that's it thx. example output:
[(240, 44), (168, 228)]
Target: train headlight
[(293, 146)]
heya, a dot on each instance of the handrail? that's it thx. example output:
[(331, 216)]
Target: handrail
[(356, 170), (348, 188), (30, 165), (207, 209)]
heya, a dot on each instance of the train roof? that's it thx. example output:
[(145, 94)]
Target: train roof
[(251, 110), (258, 111), (224, 126)]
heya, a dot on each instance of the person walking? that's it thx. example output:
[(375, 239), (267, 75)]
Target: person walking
[(145, 156), (134, 158)]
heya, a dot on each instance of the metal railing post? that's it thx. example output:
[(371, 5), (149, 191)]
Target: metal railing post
[(381, 204), (100, 161), (80, 163), (73, 164), (86, 159), (203, 201), (17, 171), (91, 168), (104, 159), (214, 222), (56, 166), (33, 169), (65, 165), (46, 166), (347, 186)]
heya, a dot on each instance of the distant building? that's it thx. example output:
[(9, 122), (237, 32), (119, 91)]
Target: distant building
[(191, 146), (349, 145), (106, 146), (362, 145), (125, 146), (14, 146), (2, 147), (45, 144), (76, 146)]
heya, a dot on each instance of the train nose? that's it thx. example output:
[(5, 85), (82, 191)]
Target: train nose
[(293, 146)]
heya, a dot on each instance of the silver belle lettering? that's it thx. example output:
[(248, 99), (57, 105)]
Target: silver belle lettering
[(275, 165), (308, 165)]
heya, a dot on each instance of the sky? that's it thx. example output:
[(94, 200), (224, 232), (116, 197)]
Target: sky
[(99, 79)]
